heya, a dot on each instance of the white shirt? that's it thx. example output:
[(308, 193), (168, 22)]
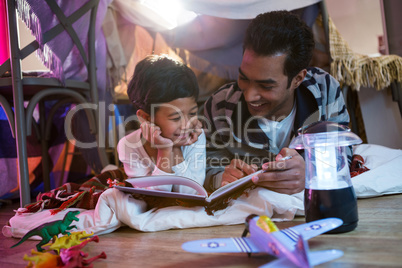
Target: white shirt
[(137, 162), (278, 132)]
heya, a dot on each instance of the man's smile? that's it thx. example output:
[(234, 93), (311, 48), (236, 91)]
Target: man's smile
[(257, 107), (256, 104)]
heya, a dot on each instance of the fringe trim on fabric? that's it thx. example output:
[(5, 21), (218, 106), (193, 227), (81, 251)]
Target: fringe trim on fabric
[(44, 53), (376, 72), (356, 70), (30, 19)]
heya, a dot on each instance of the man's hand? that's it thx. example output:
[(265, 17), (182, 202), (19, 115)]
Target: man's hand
[(283, 176), (237, 170)]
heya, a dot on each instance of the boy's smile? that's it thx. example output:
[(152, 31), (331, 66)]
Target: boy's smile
[(176, 119)]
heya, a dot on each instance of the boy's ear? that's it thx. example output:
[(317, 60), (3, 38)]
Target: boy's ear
[(143, 116)]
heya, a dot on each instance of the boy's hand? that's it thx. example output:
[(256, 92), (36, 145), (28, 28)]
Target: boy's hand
[(196, 131), (152, 133)]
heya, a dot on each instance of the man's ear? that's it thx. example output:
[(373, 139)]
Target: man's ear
[(298, 79), (143, 116)]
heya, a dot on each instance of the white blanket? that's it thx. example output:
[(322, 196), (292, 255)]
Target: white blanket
[(115, 208), (385, 174)]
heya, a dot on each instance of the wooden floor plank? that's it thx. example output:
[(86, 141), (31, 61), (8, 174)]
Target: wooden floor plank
[(377, 242)]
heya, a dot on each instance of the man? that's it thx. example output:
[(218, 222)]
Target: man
[(251, 122)]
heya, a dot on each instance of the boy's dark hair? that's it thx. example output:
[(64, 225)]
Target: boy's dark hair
[(281, 32), (160, 79)]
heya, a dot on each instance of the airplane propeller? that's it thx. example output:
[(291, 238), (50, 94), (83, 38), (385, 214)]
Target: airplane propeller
[(246, 229)]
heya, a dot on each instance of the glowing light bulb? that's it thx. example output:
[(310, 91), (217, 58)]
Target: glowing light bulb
[(171, 11)]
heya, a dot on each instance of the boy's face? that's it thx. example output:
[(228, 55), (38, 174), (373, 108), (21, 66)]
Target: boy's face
[(176, 119), (265, 86)]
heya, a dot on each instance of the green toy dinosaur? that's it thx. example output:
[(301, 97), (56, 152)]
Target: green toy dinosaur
[(50, 229)]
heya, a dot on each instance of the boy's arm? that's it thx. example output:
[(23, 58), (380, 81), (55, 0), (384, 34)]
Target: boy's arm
[(152, 133), (193, 165)]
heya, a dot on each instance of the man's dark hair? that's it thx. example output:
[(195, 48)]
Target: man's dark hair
[(160, 79), (281, 32)]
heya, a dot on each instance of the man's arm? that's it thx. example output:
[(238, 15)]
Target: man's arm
[(337, 110), (225, 166), (215, 168), (217, 127), (331, 104)]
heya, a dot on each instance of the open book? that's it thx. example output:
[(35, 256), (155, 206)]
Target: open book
[(201, 198)]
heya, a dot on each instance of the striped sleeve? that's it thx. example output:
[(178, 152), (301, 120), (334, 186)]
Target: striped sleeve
[(215, 107), (331, 103)]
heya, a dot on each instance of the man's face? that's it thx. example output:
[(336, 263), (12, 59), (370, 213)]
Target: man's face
[(264, 85)]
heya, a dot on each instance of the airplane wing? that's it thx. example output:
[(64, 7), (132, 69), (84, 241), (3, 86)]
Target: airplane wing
[(316, 258), (289, 245), (222, 245), (310, 229), (289, 236)]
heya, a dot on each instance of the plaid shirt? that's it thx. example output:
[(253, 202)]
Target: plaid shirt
[(232, 132)]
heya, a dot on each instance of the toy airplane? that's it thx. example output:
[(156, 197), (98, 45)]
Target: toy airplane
[(288, 245)]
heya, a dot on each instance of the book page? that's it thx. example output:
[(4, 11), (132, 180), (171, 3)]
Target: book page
[(148, 181), (232, 187), (150, 192)]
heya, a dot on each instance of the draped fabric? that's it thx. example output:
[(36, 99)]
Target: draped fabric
[(60, 55), (63, 60), (211, 44), (238, 9), (127, 31), (357, 70)]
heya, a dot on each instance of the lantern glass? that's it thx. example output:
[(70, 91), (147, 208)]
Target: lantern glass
[(329, 191)]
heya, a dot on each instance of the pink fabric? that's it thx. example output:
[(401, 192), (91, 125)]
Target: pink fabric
[(4, 50)]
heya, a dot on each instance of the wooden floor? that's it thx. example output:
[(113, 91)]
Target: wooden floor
[(377, 242)]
